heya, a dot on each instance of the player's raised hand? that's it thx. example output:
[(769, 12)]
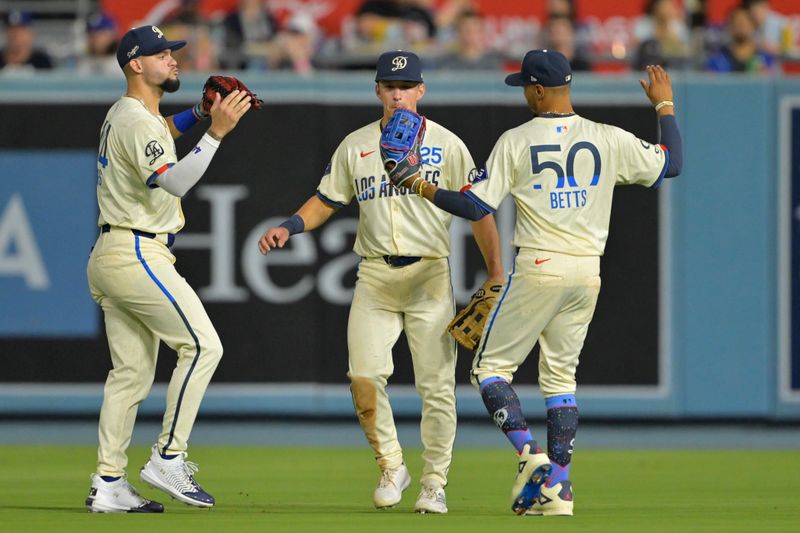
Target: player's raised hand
[(273, 238), (226, 112), (658, 87)]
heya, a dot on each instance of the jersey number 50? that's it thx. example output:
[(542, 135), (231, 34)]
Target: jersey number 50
[(538, 166)]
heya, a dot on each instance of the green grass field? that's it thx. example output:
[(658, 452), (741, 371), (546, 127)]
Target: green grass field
[(317, 489)]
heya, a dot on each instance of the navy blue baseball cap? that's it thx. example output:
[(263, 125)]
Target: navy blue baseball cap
[(18, 18), (398, 65), (547, 68), (144, 41)]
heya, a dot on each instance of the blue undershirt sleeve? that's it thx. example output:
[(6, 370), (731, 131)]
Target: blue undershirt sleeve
[(458, 204), (671, 138)]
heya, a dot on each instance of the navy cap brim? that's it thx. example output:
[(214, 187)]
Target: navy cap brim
[(397, 77), (167, 45), (516, 80)]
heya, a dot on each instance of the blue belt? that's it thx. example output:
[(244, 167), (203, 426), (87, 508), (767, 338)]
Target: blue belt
[(400, 260), (105, 228)]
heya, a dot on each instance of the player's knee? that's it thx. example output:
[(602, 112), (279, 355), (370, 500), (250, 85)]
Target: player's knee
[(211, 350)]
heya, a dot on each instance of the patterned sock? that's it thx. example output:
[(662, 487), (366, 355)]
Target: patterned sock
[(562, 424), (503, 404)]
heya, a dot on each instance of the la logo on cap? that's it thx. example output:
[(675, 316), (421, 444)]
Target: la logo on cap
[(399, 63), (157, 32)]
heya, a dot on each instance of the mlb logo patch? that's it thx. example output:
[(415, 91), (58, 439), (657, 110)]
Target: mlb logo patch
[(561, 129)]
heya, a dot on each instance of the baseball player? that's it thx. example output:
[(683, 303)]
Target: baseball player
[(561, 170), (403, 281), (131, 274)]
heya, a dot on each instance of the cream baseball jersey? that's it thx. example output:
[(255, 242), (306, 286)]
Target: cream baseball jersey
[(390, 218), (561, 171), (135, 148)]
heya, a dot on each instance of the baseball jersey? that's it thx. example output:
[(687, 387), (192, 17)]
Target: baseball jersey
[(393, 221), (135, 147), (561, 172)]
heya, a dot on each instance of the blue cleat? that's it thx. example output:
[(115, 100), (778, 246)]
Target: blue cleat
[(532, 472)]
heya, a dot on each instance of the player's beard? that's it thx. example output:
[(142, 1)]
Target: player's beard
[(170, 85)]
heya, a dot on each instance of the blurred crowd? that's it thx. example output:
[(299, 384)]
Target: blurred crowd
[(453, 35)]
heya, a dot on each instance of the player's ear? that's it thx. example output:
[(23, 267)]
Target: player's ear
[(378, 90), (420, 91), (135, 65)]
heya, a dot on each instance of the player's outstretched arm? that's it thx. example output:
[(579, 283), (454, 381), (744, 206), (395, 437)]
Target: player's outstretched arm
[(311, 215), (454, 202)]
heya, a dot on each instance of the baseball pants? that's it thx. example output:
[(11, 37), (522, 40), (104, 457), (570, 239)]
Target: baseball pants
[(145, 301), (417, 299), (548, 297)]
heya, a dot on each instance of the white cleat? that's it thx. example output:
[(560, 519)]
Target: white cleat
[(553, 501), (176, 478), (118, 497), (533, 471), (391, 486), (431, 499)]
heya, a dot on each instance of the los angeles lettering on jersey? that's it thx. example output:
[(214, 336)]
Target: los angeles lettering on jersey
[(366, 188)]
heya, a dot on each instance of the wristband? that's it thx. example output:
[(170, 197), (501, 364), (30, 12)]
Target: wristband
[(294, 224), (188, 118), (664, 103)]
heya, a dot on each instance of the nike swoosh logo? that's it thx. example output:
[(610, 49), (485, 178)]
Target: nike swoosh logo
[(540, 261), (365, 154)]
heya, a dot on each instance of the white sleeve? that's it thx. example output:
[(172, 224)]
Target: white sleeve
[(180, 177)]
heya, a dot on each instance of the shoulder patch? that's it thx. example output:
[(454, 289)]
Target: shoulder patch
[(476, 175), (153, 150)]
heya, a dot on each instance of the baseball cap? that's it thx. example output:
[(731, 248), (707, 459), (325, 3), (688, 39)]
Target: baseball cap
[(398, 66), (18, 18), (144, 41), (99, 21), (547, 68)]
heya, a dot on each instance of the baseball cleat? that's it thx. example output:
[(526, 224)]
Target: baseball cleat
[(176, 478), (118, 497), (532, 472), (391, 486), (553, 501), (431, 499)]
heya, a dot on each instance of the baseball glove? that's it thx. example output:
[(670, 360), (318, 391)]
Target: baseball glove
[(467, 326), (401, 141), (224, 85)]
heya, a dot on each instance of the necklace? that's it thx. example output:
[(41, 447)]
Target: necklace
[(143, 104)]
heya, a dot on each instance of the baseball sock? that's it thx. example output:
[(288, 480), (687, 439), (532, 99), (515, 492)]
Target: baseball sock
[(109, 479), (503, 404), (562, 424)]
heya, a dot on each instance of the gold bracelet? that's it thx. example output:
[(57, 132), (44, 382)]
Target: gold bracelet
[(664, 103), (421, 189)]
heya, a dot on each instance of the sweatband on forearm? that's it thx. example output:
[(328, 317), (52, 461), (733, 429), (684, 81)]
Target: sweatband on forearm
[(294, 224), (671, 138), (458, 204), (187, 118), (182, 176)]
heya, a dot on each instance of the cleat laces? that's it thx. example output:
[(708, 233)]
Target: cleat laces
[(181, 475)]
